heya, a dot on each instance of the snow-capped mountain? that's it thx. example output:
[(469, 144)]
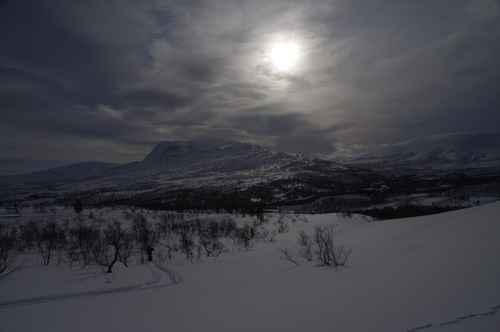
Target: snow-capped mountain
[(197, 165), (445, 151), (201, 172), (211, 156)]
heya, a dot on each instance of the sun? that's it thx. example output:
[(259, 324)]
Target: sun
[(284, 56)]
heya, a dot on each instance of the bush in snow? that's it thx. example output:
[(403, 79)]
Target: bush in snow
[(7, 242), (145, 235), (245, 235), (28, 236), (187, 244), (327, 253), (282, 224), (166, 237), (51, 238), (77, 206), (81, 239), (305, 246)]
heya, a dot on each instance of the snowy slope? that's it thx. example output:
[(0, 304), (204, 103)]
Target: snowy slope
[(446, 151), (211, 156), (434, 273)]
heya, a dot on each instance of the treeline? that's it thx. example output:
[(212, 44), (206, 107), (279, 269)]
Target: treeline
[(251, 202), (404, 211), (94, 241)]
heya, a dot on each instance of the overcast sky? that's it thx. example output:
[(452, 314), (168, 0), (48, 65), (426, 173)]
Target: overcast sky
[(105, 80)]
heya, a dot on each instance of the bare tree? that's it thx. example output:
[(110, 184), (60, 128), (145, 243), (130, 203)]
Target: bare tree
[(245, 235), (113, 245), (7, 246), (145, 236), (50, 238), (305, 244), (327, 252), (282, 224), (186, 244), (78, 206), (81, 240), (212, 246), (166, 236), (28, 236)]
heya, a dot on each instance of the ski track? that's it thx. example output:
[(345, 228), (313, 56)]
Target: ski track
[(5, 274), (479, 315), (160, 278)]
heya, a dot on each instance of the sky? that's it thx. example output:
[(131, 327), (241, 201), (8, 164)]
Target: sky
[(106, 80)]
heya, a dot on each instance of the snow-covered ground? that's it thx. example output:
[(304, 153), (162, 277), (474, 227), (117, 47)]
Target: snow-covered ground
[(432, 273)]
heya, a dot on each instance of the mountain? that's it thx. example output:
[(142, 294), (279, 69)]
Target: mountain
[(438, 152), (215, 174), (214, 164), (196, 166), (211, 156), (63, 174), (24, 166)]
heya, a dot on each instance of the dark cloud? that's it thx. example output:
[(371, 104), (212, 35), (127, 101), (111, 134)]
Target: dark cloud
[(124, 74), (165, 100), (290, 132)]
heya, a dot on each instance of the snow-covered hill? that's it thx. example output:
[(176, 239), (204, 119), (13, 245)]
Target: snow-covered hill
[(446, 151)]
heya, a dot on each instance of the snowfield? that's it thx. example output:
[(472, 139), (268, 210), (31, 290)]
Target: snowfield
[(432, 273)]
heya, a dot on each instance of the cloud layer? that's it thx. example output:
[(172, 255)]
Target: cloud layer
[(104, 80)]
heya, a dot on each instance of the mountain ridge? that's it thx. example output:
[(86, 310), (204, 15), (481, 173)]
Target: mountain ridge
[(452, 151), (175, 166)]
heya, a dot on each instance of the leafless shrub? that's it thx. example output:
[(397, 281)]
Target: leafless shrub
[(81, 240), (328, 254), (212, 246), (272, 235), (145, 236), (187, 244), (282, 223), (305, 246), (7, 246), (166, 224), (166, 238), (244, 236), (28, 236), (51, 237), (227, 227)]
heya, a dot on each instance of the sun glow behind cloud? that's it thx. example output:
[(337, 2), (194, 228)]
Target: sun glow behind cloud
[(284, 55)]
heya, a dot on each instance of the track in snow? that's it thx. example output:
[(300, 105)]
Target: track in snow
[(160, 278), (487, 313)]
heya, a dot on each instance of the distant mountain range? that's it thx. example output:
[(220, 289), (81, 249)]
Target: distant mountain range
[(176, 168), (438, 152), (23, 166)]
